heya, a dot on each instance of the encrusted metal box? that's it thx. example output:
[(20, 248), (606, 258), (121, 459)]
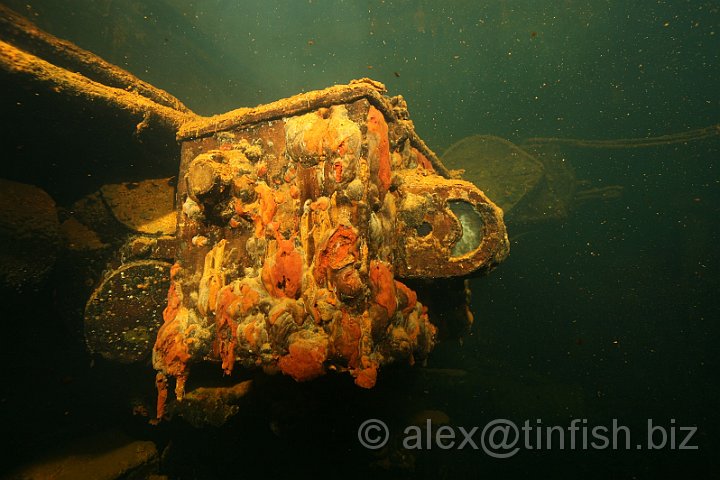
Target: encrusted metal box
[(296, 220)]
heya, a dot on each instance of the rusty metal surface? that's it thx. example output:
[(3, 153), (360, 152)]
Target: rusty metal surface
[(120, 244), (25, 35), (293, 234), (144, 207), (394, 109)]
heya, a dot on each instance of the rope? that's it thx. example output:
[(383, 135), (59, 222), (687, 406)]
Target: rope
[(683, 137)]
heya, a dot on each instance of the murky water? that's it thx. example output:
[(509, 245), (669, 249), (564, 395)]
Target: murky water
[(605, 312)]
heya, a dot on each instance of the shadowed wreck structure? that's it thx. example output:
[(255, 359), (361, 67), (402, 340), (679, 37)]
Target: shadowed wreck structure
[(289, 240)]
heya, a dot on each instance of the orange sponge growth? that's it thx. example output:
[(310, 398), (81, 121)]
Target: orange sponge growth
[(306, 358), (379, 146), (282, 273), (408, 297), (267, 206), (423, 161), (383, 286), (347, 340), (367, 376), (339, 251), (225, 325), (171, 351)]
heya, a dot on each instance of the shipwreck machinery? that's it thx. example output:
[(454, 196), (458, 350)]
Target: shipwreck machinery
[(296, 222), (313, 234), (295, 228)]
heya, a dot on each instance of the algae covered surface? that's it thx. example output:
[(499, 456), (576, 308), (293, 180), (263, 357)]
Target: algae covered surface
[(593, 125)]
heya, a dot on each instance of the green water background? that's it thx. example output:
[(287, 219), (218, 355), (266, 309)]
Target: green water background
[(612, 313)]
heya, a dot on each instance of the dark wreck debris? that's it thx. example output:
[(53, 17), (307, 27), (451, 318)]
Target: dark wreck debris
[(117, 316), (74, 122), (128, 230), (29, 236), (213, 406), (107, 455)]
